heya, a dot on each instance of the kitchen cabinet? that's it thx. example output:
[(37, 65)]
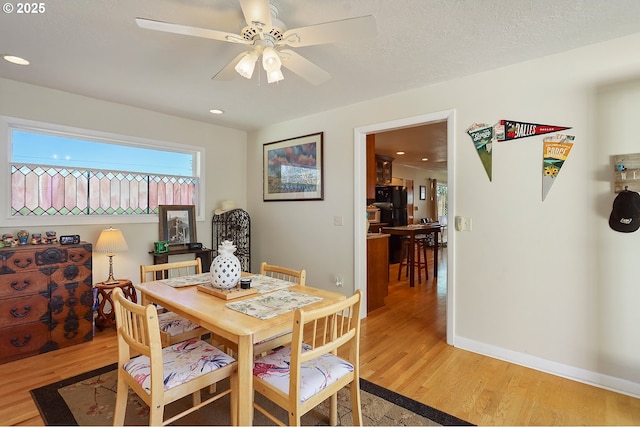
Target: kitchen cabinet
[(383, 169), (371, 167), (46, 298), (377, 270)]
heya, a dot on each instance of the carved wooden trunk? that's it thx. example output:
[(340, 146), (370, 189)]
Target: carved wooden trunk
[(46, 298)]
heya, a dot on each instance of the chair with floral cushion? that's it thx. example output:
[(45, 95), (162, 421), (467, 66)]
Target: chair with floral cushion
[(174, 328), (295, 276), (160, 375), (300, 376)]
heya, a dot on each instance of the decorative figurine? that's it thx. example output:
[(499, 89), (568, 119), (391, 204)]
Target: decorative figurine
[(51, 237), (23, 237)]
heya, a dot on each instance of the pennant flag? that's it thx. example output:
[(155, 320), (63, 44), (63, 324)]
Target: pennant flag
[(555, 151), (482, 136), (511, 130)]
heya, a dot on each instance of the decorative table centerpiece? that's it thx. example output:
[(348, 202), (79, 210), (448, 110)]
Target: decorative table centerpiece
[(225, 268)]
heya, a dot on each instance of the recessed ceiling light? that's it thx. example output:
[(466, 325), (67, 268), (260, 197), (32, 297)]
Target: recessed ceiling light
[(216, 111), (400, 153), (15, 60), (424, 159)]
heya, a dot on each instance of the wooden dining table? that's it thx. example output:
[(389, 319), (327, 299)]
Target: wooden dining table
[(211, 312), (411, 231)]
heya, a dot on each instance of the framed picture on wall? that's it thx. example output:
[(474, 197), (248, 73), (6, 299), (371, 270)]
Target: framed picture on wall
[(177, 224), (423, 192), (293, 169)]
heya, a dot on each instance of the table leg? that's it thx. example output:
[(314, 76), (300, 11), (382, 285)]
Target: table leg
[(435, 254), (411, 255), (245, 381)]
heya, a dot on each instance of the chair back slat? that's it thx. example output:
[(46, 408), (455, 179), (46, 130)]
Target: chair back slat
[(170, 270), (283, 273)]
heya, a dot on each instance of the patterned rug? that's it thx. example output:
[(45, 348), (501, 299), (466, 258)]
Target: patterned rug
[(88, 399)]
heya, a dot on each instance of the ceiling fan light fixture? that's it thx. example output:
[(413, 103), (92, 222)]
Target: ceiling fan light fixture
[(246, 65), (270, 60), (274, 76)]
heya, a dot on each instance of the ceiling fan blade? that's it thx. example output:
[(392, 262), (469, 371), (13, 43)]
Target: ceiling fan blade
[(330, 32), (303, 67), (187, 30), (229, 71), (257, 11)]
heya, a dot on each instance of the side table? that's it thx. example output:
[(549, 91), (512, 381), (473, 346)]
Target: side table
[(106, 315)]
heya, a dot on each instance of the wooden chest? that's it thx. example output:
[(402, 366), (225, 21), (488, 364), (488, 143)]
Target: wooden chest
[(46, 298)]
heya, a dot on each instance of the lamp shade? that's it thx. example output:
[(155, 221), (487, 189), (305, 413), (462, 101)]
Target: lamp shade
[(111, 241), (246, 65), (270, 60), (274, 76)]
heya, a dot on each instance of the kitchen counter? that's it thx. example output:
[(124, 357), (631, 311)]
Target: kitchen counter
[(377, 236), (377, 270), (374, 227)]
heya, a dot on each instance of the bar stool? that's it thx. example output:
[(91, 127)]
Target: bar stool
[(420, 254)]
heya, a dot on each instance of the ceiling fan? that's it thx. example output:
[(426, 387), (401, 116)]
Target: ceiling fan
[(267, 37)]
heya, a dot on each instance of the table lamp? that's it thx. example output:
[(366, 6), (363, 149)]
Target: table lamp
[(110, 241)]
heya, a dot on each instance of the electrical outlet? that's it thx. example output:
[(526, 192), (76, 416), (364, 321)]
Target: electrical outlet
[(339, 281), (338, 220)]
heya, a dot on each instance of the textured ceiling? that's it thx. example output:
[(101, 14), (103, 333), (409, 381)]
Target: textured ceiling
[(94, 48)]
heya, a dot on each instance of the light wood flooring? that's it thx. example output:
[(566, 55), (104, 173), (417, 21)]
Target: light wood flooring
[(403, 348)]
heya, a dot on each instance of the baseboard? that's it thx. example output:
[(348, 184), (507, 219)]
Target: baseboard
[(595, 379)]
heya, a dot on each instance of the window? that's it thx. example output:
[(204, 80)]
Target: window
[(78, 173)]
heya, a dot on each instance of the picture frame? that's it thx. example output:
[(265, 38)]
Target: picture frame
[(293, 169), (423, 192), (177, 224)]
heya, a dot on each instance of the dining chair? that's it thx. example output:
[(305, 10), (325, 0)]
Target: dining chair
[(262, 347), (174, 328), (300, 376), (282, 273), (161, 375)]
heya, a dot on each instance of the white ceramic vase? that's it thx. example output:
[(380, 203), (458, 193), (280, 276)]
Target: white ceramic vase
[(225, 268)]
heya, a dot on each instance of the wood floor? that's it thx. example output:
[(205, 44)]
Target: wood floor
[(403, 348)]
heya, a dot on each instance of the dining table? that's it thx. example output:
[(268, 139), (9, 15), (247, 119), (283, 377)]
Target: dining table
[(411, 231), (212, 313)]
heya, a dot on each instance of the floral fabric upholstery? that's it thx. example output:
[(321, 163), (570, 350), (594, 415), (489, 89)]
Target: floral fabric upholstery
[(173, 324), (181, 362), (316, 374)]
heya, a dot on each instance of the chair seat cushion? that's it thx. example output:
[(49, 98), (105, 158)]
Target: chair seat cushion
[(181, 362), (173, 324), (316, 374)]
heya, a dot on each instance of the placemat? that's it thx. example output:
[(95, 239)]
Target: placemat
[(273, 304), (266, 284), (191, 280)]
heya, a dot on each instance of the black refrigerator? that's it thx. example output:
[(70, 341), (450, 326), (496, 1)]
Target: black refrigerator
[(392, 202)]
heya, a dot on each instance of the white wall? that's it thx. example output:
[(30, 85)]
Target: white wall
[(225, 158), (544, 284)]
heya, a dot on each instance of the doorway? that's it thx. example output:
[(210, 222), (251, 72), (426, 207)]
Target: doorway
[(360, 252)]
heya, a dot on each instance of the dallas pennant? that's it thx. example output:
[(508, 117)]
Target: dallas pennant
[(517, 130)]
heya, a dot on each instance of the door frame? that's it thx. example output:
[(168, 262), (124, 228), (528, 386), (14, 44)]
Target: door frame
[(360, 190)]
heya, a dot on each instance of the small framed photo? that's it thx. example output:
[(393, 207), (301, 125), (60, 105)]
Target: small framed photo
[(293, 169), (177, 224), (423, 192)]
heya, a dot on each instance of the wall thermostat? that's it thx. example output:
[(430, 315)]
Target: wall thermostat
[(70, 240)]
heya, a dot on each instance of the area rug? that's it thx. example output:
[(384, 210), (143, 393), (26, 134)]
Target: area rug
[(88, 399)]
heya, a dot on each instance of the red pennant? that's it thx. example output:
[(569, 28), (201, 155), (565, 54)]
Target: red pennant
[(515, 130)]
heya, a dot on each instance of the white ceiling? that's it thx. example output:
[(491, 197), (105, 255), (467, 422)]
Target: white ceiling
[(95, 48)]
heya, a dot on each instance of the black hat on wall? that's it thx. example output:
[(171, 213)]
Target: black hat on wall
[(625, 215)]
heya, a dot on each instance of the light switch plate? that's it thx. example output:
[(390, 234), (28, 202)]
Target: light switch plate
[(463, 223)]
